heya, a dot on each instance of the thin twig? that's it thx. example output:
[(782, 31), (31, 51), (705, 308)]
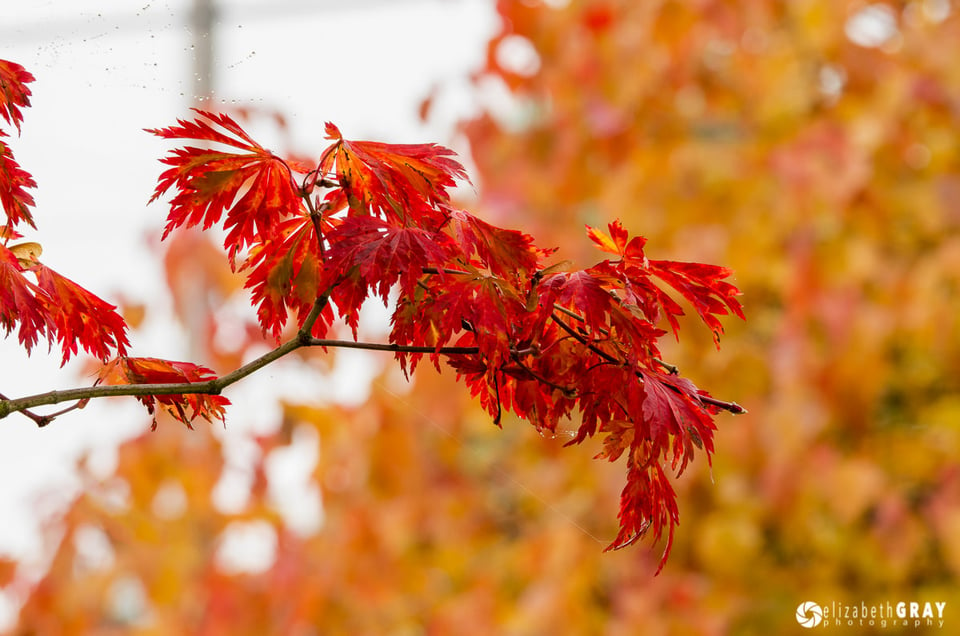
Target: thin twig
[(445, 270), (672, 369), (732, 407), (39, 420), (567, 392), (383, 346)]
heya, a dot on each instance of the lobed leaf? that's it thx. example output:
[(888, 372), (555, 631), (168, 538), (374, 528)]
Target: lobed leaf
[(127, 370), (76, 316), (255, 188), (703, 286), (395, 180), (506, 253), (629, 278), (14, 92), (383, 254), (19, 302), (582, 293), (14, 181), (618, 241), (647, 502), (284, 275)]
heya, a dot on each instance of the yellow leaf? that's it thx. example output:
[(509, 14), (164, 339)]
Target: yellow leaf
[(27, 253)]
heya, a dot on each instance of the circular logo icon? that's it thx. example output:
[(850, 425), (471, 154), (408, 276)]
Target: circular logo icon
[(809, 614)]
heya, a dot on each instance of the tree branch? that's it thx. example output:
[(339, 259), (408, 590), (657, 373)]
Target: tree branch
[(303, 339), (383, 346), (208, 387)]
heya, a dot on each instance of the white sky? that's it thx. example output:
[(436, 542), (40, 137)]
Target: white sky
[(106, 70)]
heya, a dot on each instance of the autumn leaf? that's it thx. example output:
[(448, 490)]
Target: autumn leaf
[(618, 241), (618, 439), (19, 302), (7, 234), (14, 180), (485, 308), (672, 407), (14, 92), (703, 286), (384, 254), (629, 277), (647, 502), (284, 275), (27, 253), (582, 293), (78, 317), (254, 188), (395, 180), (126, 370), (506, 253)]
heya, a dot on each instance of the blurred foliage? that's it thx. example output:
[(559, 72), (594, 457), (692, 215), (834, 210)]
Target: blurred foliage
[(813, 147)]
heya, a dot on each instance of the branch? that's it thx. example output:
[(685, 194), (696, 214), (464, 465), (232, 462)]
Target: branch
[(375, 346), (209, 387), (303, 339)]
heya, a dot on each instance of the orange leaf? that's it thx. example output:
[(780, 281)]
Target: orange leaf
[(126, 370)]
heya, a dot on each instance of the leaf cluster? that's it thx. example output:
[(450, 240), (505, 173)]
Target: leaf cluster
[(315, 240), (525, 333)]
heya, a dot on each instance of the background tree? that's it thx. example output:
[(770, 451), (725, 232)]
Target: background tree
[(811, 148)]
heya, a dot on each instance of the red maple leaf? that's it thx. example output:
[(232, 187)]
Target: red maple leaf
[(255, 187), (618, 241), (285, 273), (395, 180), (14, 198), (703, 286), (505, 253), (18, 301), (14, 92), (126, 370), (647, 502), (383, 254), (485, 308), (76, 316), (582, 293)]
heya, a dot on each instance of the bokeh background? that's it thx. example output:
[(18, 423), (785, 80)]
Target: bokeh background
[(811, 146)]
